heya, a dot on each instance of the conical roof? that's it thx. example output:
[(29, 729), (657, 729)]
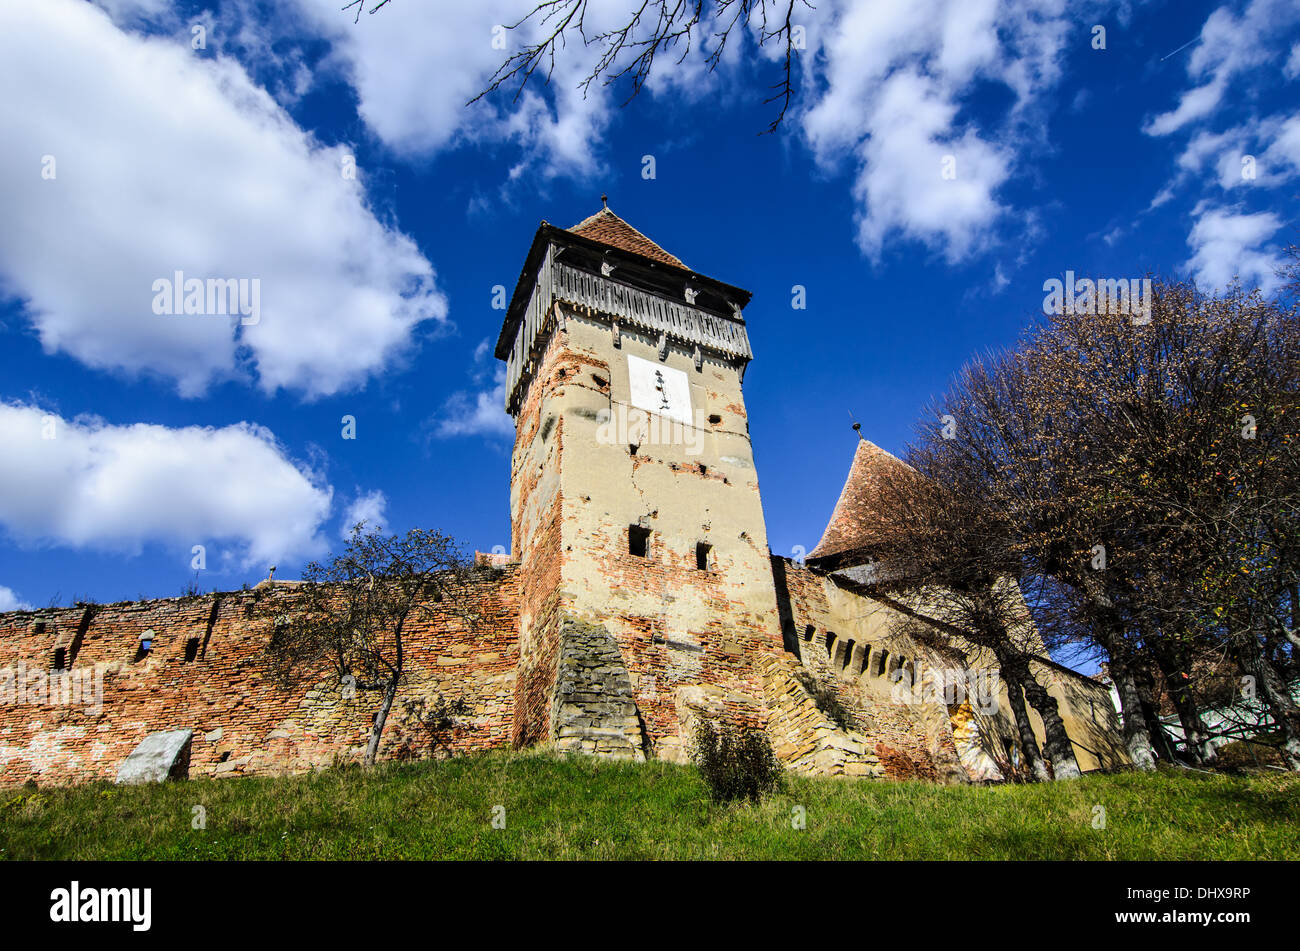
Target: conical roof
[(853, 519), (608, 228)]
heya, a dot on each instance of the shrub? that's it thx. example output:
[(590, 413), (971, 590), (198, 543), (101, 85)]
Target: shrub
[(735, 764)]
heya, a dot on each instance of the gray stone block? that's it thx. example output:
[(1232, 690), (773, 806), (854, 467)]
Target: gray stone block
[(153, 760)]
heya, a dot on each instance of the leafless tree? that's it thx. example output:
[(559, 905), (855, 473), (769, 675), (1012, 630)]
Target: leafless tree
[(655, 27), (945, 551), (628, 51), (361, 5), (352, 614)]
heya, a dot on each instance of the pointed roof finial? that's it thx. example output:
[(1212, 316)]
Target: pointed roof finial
[(857, 428), (604, 200)]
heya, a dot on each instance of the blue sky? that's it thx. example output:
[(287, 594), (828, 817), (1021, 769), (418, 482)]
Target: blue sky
[(128, 154)]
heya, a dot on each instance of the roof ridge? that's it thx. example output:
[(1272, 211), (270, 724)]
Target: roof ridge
[(590, 218)]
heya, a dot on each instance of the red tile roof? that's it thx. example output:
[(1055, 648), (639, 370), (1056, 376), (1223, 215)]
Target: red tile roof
[(850, 526), (608, 228)]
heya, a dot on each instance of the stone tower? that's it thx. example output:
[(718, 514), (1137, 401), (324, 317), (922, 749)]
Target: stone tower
[(647, 589)]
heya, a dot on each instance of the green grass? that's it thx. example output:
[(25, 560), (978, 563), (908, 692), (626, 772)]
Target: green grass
[(580, 808)]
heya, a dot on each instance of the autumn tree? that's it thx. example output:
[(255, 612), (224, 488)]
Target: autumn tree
[(1178, 433), (946, 541), (1136, 473)]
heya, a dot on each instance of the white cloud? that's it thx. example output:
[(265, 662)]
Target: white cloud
[(1254, 154), (1292, 67), (1194, 104), (480, 413), (1227, 244), (900, 183), (415, 66), (885, 84), (269, 46), (371, 509), (1259, 152), (9, 601), (1229, 45), (1281, 160), (170, 159), (120, 487), (1163, 196), (1218, 150), (125, 10)]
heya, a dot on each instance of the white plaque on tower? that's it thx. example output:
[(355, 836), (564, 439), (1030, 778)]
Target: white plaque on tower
[(659, 389)]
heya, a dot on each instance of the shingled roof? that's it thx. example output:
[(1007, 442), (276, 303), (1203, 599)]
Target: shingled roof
[(608, 228), (849, 529)]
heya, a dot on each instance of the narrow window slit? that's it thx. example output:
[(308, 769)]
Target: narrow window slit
[(638, 541)]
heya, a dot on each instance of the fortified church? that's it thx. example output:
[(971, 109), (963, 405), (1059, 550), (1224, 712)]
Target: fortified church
[(639, 595)]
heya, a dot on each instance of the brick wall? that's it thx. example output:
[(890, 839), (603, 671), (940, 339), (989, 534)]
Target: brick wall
[(204, 673), (537, 512)]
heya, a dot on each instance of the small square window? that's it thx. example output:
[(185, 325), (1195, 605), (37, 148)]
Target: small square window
[(60, 658), (638, 541), (702, 555), (191, 650)]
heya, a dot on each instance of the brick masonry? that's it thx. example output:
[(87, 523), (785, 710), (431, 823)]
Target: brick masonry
[(205, 673)]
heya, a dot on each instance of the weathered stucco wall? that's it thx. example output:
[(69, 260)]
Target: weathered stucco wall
[(844, 640), (690, 638), (204, 673), (888, 682), (536, 515)]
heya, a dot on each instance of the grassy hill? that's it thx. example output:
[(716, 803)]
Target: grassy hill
[(581, 808)]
